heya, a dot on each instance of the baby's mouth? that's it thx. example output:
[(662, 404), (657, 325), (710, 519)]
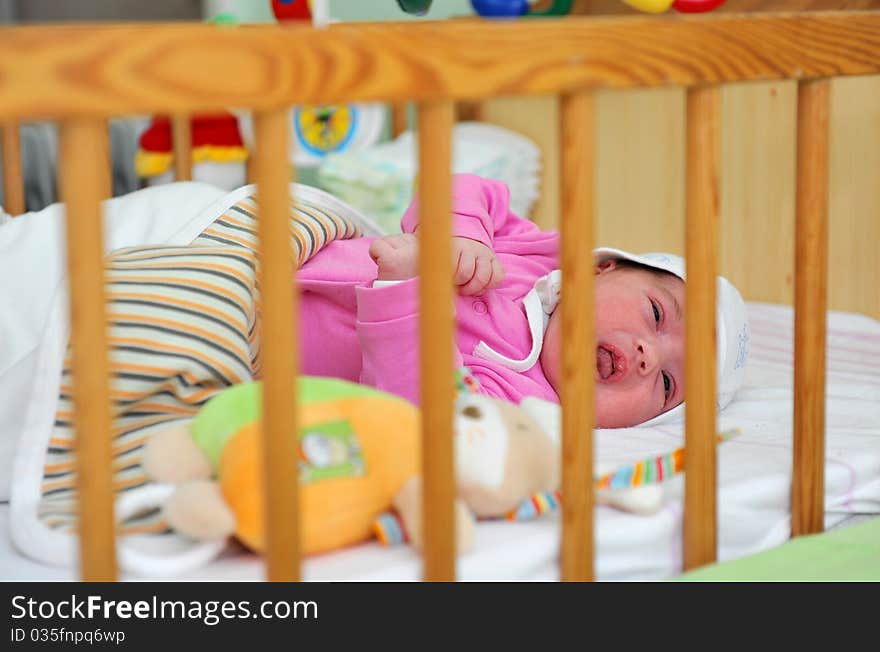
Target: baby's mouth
[(604, 362)]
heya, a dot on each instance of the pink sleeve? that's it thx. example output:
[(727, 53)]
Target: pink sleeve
[(388, 331), (480, 211)]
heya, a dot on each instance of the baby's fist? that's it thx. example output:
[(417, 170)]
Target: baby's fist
[(396, 256), (476, 269)]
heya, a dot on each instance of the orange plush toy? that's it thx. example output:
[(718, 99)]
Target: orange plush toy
[(359, 457)]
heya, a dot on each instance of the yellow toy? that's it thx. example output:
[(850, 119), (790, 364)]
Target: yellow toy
[(360, 456), (681, 6)]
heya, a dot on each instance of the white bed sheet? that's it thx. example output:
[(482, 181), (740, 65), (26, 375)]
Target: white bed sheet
[(754, 479)]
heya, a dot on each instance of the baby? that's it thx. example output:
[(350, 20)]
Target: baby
[(359, 312)]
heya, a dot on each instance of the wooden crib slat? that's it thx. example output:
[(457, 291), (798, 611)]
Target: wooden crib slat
[(82, 186), (436, 299), (577, 127), (181, 138), (701, 250), (398, 118), (467, 111), (810, 285), (13, 180), (279, 338), (106, 167)]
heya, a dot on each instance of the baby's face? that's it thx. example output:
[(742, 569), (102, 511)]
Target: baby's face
[(639, 355)]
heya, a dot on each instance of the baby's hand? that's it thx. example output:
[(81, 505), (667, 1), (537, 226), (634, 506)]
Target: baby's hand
[(396, 256), (476, 269)]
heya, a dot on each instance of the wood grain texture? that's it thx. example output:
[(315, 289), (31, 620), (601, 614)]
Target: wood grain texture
[(757, 195), (399, 118), (279, 337), (60, 71), (640, 182), (811, 283), (854, 202), (578, 331), (181, 129), (13, 180), (470, 111), (436, 299), (105, 169), (701, 253), (537, 118), (81, 153)]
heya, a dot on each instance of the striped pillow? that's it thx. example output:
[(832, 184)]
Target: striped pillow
[(183, 326)]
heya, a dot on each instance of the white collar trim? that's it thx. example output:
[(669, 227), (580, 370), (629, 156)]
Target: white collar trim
[(539, 304)]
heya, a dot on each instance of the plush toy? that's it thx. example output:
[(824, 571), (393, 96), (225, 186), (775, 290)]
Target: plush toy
[(508, 8), (360, 452), (505, 8), (292, 9), (219, 155), (681, 6)]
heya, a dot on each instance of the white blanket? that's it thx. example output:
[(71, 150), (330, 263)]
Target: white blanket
[(34, 331), (33, 296)]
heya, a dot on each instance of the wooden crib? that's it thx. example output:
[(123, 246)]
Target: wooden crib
[(82, 75)]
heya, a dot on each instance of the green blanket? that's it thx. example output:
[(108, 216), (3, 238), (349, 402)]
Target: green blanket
[(850, 554)]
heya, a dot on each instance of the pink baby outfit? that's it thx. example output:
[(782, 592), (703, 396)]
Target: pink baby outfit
[(354, 331)]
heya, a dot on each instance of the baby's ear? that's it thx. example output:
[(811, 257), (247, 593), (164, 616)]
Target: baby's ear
[(605, 266)]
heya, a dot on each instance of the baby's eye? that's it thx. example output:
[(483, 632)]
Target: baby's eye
[(472, 412), (667, 385), (656, 312)]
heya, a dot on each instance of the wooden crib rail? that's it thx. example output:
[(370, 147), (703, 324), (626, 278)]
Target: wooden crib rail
[(811, 283), (701, 253), (82, 155), (279, 337), (181, 140), (436, 324), (82, 75), (577, 122), (13, 180), (162, 68)]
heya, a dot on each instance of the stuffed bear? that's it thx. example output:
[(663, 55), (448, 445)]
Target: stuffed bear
[(360, 452)]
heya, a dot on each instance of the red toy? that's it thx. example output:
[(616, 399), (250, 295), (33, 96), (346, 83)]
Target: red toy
[(696, 6), (292, 10)]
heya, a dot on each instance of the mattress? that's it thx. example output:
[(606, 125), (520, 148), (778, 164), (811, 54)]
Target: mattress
[(754, 477)]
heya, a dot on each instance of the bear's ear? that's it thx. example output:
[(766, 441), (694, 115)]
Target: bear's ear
[(198, 510), (547, 414), (172, 456)]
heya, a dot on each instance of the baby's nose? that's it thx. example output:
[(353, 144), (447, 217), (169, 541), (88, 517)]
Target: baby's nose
[(646, 358)]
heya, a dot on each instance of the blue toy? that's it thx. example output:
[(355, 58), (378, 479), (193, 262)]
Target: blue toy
[(506, 8)]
